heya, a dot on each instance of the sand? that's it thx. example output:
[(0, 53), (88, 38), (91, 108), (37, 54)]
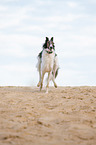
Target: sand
[(64, 116)]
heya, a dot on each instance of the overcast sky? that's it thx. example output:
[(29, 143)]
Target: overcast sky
[(24, 24)]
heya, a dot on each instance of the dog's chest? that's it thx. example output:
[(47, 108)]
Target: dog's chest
[(47, 61)]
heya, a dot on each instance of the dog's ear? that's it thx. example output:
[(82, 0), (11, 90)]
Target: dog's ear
[(52, 39), (47, 39)]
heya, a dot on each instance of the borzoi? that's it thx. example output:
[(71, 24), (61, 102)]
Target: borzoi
[(47, 62)]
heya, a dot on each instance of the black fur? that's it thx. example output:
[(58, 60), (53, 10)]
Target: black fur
[(40, 54), (45, 44)]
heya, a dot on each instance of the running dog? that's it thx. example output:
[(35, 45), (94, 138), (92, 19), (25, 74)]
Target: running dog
[(47, 63)]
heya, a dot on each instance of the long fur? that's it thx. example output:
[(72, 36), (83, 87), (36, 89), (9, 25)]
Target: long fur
[(47, 62)]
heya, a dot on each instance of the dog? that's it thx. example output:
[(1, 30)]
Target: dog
[(47, 63)]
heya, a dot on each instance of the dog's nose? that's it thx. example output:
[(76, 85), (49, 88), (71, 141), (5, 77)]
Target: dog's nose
[(50, 46)]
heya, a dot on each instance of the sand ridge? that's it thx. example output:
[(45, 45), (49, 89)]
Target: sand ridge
[(64, 116)]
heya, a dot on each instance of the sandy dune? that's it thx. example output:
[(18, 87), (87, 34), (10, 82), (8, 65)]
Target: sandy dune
[(64, 116)]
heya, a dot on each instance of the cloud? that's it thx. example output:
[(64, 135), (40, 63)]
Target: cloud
[(30, 28), (64, 18), (92, 1), (3, 8), (14, 16), (90, 30), (9, 1), (43, 2), (72, 4), (18, 75), (19, 45), (20, 68)]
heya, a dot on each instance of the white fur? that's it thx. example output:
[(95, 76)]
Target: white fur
[(49, 64), (47, 61)]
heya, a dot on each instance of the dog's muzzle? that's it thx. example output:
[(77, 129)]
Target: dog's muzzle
[(49, 50)]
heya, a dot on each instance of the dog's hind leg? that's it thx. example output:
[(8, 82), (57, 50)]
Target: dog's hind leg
[(55, 85)]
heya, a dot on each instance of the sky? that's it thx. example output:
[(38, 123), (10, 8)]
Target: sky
[(24, 24)]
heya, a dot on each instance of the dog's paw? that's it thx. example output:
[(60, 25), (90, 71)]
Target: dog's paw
[(55, 85), (38, 85)]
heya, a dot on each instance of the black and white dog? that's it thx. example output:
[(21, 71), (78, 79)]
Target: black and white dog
[(47, 62)]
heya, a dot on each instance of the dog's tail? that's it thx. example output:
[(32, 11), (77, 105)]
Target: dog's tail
[(38, 65), (55, 67)]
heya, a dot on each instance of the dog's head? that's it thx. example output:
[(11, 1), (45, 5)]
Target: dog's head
[(49, 45)]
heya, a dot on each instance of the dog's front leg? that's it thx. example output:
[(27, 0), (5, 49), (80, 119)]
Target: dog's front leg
[(41, 82), (49, 74), (38, 85)]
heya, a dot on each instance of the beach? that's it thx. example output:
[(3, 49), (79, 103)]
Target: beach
[(64, 116)]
